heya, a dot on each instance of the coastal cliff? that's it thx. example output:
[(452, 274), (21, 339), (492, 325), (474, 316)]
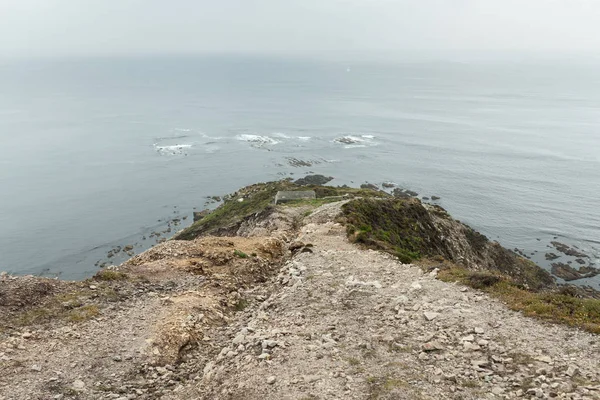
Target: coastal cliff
[(354, 294)]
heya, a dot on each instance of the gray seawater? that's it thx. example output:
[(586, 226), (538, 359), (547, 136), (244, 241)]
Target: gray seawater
[(96, 153)]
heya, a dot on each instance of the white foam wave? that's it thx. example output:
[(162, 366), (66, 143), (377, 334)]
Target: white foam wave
[(176, 149), (280, 135), (257, 140), (354, 141), (304, 138)]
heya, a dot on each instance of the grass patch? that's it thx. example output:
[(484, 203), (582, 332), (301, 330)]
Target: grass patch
[(34, 316), (353, 361), (241, 305), (236, 208), (74, 306), (240, 254), (471, 384), (553, 306), (110, 275), (84, 313), (378, 386)]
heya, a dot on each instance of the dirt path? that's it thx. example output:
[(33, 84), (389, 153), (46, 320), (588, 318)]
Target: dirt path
[(352, 324), (336, 323)]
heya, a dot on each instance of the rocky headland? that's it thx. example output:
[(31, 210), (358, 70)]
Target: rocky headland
[(353, 294)]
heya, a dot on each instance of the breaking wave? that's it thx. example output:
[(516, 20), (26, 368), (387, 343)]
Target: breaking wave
[(258, 140), (173, 150), (356, 141)]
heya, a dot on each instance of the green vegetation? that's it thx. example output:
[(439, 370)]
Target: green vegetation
[(73, 312), (402, 227), (408, 230), (76, 306), (558, 307), (241, 305), (472, 384), (84, 313), (258, 198), (236, 208), (240, 254), (353, 361), (110, 275)]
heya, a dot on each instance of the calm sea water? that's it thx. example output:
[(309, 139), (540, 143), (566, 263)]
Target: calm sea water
[(96, 153)]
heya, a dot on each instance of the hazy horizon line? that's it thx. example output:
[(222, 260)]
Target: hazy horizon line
[(341, 56)]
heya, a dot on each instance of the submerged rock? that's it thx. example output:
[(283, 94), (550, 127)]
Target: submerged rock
[(296, 162), (568, 250), (348, 140), (551, 256)]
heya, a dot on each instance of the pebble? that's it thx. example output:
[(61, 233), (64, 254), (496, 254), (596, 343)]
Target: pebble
[(572, 370), (430, 316), (78, 385), (311, 378), (271, 380)]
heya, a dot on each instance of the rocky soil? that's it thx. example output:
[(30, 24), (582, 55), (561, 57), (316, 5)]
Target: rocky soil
[(287, 309)]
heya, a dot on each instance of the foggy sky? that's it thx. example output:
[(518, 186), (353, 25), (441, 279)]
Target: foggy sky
[(296, 27)]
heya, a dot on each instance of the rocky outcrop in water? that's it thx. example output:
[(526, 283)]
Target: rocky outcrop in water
[(569, 273), (568, 250), (314, 180)]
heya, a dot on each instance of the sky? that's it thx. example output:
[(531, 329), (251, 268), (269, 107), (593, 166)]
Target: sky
[(297, 27)]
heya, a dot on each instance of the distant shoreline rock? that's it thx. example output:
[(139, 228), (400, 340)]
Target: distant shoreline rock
[(568, 250), (314, 180), (569, 273)]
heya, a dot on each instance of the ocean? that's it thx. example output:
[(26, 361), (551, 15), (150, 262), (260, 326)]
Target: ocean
[(98, 153)]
